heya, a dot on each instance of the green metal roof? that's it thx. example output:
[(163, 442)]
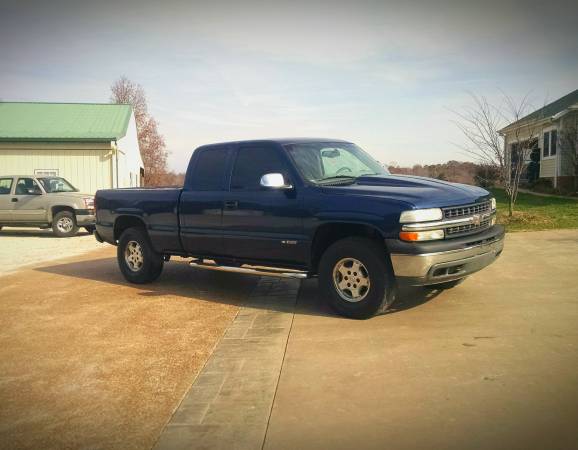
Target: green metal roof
[(63, 121), (550, 110)]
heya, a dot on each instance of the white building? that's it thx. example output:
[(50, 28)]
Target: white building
[(94, 146), (552, 131)]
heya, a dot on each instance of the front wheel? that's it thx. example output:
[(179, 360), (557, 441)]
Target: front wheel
[(64, 224), (138, 261), (355, 275)]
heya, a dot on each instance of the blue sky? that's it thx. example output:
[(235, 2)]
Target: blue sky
[(386, 75)]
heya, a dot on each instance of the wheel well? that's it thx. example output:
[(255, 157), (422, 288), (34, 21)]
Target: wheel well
[(329, 233), (125, 222), (59, 208)]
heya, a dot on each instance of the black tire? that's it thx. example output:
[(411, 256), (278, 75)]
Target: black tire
[(381, 291), (64, 224), (446, 285), (90, 229), (151, 265)]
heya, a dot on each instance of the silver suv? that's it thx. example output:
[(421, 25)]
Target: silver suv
[(44, 202)]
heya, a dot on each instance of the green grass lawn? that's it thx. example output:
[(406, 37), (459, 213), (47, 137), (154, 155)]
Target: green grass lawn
[(533, 212)]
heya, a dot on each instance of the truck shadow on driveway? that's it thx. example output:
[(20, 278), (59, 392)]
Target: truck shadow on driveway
[(312, 302), (180, 280)]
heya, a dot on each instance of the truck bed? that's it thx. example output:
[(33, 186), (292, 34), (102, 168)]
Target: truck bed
[(156, 207)]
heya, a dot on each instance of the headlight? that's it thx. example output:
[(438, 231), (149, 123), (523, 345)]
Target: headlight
[(420, 215), (493, 203), (89, 202), (430, 235)]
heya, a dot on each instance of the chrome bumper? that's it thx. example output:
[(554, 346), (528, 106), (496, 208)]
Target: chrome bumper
[(432, 268)]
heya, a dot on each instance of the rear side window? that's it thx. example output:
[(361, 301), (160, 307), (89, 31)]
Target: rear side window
[(209, 170), (251, 164), (5, 186)]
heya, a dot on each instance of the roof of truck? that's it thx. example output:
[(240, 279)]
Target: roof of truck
[(282, 141)]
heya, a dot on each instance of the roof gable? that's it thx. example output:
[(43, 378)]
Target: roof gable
[(63, 121), (548, 111)]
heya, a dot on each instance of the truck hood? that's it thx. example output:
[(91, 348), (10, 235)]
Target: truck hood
[(420, 192)]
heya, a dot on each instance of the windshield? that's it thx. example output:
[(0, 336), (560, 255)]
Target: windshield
[(322, 161), (56, 184)]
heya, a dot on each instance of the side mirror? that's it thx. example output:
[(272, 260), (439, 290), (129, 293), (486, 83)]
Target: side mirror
[(274, 181)]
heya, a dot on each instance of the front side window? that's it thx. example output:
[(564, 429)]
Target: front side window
[(209, 170), (322, 161), (56, 184), (5, 186), (27, 186), (251, 164)]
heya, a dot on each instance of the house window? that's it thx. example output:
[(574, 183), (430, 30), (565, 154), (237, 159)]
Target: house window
[(550, 141), (553, 139), (546, 146)]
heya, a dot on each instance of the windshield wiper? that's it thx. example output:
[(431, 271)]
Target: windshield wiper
[(336, 177)]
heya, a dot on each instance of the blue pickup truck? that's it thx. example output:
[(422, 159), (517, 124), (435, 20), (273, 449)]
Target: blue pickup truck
[(302, 208)]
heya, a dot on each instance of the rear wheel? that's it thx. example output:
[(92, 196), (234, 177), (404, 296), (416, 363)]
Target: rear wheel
[(64, 224), (356, 277), (138, 261)]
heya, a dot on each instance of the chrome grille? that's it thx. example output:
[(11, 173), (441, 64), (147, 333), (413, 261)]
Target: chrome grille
[(467, 229), (468, 210)]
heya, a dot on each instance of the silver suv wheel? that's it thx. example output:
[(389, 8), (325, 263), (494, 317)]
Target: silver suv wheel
[(65, 224), (351, 279)]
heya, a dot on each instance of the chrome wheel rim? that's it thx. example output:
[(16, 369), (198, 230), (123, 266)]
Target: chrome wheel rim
[(133, 256), (351, 280), (65, 224)]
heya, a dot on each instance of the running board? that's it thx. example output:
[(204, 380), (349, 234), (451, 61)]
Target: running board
[(252, 270)]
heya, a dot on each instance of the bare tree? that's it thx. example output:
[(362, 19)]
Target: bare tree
[(151, 142), (481, 125)]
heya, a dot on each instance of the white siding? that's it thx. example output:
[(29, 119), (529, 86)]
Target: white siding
[(548, 168), (129, 158), (87, 169)]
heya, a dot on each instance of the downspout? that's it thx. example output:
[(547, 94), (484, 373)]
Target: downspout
[(116, 161)]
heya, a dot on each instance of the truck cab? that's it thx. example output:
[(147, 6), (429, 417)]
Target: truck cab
[(306, 208)]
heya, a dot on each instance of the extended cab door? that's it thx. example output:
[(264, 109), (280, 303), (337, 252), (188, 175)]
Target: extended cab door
[(6, 199), (260, 223), (201, 204), (29, 202)]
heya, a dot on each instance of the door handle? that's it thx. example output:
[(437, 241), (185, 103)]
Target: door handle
[(231, 204), (14, 200)]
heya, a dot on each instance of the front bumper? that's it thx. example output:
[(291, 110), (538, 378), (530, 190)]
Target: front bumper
[(450, 260)]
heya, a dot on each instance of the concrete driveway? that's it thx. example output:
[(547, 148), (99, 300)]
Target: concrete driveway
[(22, 247), (492, 363), (87, 361)]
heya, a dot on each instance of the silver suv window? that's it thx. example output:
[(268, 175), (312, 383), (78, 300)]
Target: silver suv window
[(27, 186), (5, 186)]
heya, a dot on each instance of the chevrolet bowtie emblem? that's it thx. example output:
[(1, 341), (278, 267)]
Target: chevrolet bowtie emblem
[(476, 219)]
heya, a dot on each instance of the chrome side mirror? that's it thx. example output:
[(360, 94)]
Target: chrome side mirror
[(274, 181)]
